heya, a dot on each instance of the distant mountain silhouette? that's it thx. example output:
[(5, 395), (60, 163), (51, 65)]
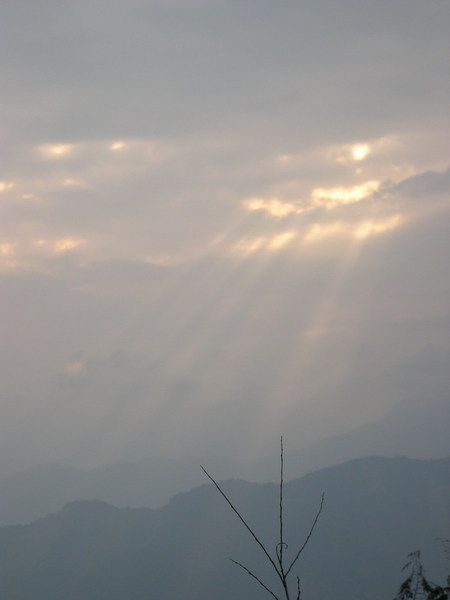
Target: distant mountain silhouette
[(376, 511), (409, 429), (414, 430), (40, 490)]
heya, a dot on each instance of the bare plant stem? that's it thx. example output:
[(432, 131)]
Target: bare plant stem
[(278, 565)]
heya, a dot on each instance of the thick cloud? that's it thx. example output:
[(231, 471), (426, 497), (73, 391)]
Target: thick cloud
[(219, 221)]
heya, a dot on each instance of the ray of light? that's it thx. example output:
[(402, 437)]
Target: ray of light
[(226, 295)]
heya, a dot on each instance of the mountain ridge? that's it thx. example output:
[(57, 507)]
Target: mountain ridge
[(409, 429), (376, 511)]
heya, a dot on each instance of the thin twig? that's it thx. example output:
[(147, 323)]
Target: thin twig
[(244, 522), (308, 536), (254, 577), (281, 546), (281, 543), (298, 587)]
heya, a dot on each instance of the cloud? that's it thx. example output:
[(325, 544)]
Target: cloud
[(217, 221), (430, 183), (332, 197)]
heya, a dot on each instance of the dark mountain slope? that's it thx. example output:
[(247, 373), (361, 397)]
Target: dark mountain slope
[(376, 511)]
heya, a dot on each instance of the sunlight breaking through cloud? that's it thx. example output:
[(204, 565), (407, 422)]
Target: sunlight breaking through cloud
[(360, 151), (358, 230), (268, 243), (336, 196), (55, 151), (249, 246), (273, 206), (66, 244), (117, 146), (59, 246), (280, 240), (5, 186)]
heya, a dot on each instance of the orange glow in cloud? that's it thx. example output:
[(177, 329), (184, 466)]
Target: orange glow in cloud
[(117, 146), (56, 151), (66, 244), (273, 206), (72, 183), (328, 198), (62, 245), (269, 243), (359, 230), (280, 240), (6, 249), (249, 246), (369, 228), (5, 186), (333, 197)]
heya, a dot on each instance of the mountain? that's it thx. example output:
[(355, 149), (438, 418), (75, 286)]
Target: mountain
[(410, 429), (376, 511), (417, 430), (43, 489)]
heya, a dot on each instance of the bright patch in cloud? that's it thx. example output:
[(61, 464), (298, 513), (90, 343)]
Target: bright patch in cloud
[(360, 151), (56, 150), (284, 158), (6, 249), (75, 367), (358, 230), (62, 245), (273, 206), (5, 186), (250, 246), (281, 240), (117, 146), (72, 183), (66, 244), (369, 228), (332, 197), (7, 256), (268, 243), (318, 232)]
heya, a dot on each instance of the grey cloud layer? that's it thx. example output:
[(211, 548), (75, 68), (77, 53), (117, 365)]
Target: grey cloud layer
[(219, 221), (142, 68)]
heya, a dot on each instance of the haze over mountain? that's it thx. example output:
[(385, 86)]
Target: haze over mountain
[(376, 511), (408, 430)]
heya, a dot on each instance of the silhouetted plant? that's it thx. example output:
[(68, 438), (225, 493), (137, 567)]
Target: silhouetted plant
[(277, 560), (417, 586)]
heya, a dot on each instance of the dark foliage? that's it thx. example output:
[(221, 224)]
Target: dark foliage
[(417, 586)]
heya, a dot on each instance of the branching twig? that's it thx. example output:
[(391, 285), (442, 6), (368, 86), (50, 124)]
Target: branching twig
[(313, 526), (243, 521), (281, 546), (254, 577)]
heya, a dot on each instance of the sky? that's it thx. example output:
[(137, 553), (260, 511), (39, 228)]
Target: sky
[(220, 221)]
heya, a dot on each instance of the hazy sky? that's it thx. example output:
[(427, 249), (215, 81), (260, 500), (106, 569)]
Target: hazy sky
[(220, 220)]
